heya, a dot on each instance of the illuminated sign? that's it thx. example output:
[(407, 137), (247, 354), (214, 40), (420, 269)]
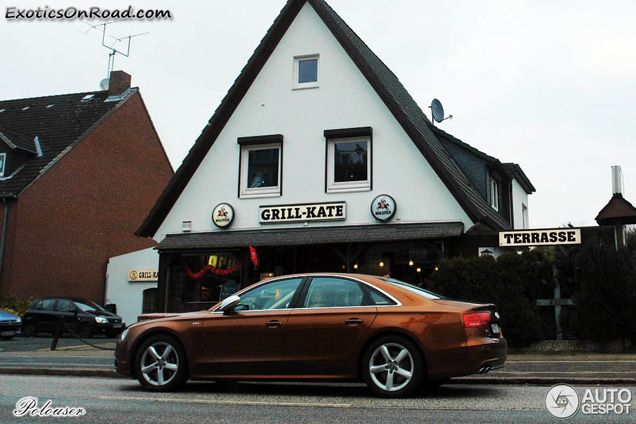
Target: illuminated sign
[(145, 275)]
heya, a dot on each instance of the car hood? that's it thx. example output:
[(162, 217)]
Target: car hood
[(7, 315), (102, 314)]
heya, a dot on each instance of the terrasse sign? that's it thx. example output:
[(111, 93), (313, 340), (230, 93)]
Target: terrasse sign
[(557, 236), (333, 211)]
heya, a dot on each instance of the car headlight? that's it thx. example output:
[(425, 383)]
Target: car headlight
[(18, 320), (101, 320), (124, 334)]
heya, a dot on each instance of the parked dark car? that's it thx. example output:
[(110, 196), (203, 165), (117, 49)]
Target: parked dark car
[(392, 335), (9, 325), (79, 316)]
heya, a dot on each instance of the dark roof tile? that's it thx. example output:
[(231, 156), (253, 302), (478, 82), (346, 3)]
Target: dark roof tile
[(59, 122)]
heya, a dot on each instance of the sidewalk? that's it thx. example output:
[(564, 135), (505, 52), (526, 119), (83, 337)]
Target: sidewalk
[(72, 358)]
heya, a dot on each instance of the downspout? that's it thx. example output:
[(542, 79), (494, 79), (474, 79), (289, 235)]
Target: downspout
[(4, 233)]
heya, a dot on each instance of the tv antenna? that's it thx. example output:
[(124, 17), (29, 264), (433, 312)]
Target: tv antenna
[(437, 111), (119, 45)]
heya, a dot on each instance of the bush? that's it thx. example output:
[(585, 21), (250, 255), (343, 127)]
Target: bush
[(606, 295), (15, 306), (511, 281)]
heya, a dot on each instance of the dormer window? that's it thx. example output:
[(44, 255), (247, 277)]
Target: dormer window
[(3, 161), (494, 193), (305, 71)]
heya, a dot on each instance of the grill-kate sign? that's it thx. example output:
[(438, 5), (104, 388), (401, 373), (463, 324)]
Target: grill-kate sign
[(552, 237), (333, 211)]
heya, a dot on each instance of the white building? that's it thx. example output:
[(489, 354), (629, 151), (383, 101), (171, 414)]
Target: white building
[(320, 160)]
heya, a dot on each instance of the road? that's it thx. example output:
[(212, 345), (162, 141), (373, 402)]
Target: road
[(115, 401)]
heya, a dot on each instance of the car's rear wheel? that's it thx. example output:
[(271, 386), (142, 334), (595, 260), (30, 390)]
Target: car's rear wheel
[(161, 365), (392, 366), (29, 329)]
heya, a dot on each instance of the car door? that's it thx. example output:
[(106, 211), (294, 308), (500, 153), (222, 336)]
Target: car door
[(251, 339), (66, 313), (43, 315), (326, 329)]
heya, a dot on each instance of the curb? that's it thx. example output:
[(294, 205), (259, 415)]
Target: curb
[(538, 381), (60, 372), (544, 381)]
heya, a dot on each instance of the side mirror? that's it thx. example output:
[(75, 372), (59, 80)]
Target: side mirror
[(230, 303)]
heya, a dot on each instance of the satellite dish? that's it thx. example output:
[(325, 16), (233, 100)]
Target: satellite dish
[(438, 110), (103, 84)]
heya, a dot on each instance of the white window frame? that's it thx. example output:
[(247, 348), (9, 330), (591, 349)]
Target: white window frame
[(524, 215), (313, 84), (494, 193), (337, 187), (248, 192), (3, 161)]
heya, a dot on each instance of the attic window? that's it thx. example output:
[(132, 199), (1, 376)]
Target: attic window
[(3, 161), (305, 71), (2, 110), (494, 193), (88, 97), (26, 108), (50, 106)]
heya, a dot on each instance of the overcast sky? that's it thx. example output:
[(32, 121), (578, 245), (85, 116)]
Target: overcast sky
[(548, 85)]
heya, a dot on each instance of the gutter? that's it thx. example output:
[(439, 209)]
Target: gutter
[(4, 233)]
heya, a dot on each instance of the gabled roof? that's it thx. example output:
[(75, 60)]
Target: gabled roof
[(521, 177), (617, 211), (59, 123), (385, 83)]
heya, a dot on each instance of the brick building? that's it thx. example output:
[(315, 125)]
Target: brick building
[(78, 173)]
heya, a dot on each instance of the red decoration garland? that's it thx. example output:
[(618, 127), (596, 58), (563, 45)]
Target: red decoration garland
[(212, 269)]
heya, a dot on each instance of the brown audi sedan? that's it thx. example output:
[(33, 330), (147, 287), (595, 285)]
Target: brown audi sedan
[(322, 327)]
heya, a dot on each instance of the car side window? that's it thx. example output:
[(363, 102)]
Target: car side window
[(379, 298), (64, 305), (275, 295), (45, 305), (329, 292)]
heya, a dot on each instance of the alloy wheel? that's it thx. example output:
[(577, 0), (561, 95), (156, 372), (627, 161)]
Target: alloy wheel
[(159, 363), (391, 367)]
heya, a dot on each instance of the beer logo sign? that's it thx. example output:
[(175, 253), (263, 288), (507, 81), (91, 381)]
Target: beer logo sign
[(383, 207), (222, 215)]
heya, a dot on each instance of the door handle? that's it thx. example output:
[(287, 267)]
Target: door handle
[(352, 322), (274, 324)]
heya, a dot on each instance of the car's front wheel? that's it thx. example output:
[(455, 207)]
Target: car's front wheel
[(392, 366), (29, 329), (161, 365)]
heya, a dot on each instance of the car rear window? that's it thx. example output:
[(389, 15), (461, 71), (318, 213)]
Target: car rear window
[(414, 289)]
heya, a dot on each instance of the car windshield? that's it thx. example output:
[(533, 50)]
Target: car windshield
[(414, 289), (88, 306)]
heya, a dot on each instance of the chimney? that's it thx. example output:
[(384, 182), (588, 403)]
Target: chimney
[(617, 180), (118, 82)]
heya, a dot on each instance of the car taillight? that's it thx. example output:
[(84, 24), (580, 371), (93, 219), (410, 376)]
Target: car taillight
[(476, 319)]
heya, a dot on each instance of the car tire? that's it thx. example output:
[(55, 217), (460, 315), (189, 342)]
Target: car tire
[(84, 331), (392, 367), (29, 329), (161, 364)]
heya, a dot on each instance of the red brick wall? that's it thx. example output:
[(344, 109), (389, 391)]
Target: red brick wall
[(84, 209)]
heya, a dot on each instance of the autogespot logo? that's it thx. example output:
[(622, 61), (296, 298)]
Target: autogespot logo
[(562, 401)]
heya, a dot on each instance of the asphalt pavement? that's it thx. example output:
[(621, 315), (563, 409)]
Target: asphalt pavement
[(95, 358)]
